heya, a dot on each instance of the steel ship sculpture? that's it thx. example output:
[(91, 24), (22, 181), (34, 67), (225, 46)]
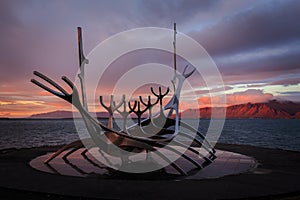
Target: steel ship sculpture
[(147, 135)]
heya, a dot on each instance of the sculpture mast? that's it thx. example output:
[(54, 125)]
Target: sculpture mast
[(174, 45), (82, 62)]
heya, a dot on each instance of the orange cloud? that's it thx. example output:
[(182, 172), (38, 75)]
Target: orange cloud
[(251, 95), (24, 108)]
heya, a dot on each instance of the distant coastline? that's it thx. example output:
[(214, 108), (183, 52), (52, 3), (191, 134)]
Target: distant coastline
[(269, 110)]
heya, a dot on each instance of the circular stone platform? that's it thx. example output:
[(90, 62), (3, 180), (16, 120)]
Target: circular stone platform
[(226, 163), (276, 176)]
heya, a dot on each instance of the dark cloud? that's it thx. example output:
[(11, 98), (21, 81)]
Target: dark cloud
[(290, 93), (286, 82), (260, 38), (165, 13), (268, 23), (7, 16), (290, 96), (264, 66), (42, 35)]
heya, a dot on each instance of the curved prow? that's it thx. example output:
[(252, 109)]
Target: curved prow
[(174, 102)]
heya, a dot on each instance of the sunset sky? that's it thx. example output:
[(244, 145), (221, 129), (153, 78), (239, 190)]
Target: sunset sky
[(255, 44)]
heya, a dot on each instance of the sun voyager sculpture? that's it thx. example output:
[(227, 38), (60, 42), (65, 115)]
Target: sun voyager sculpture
[(161, 130)]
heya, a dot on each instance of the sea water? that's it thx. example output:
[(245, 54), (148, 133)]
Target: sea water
[(271, 133)]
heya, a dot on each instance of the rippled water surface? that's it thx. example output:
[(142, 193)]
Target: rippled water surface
[(283, 134)]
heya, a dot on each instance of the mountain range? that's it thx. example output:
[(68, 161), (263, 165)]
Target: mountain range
[(271, 110)]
